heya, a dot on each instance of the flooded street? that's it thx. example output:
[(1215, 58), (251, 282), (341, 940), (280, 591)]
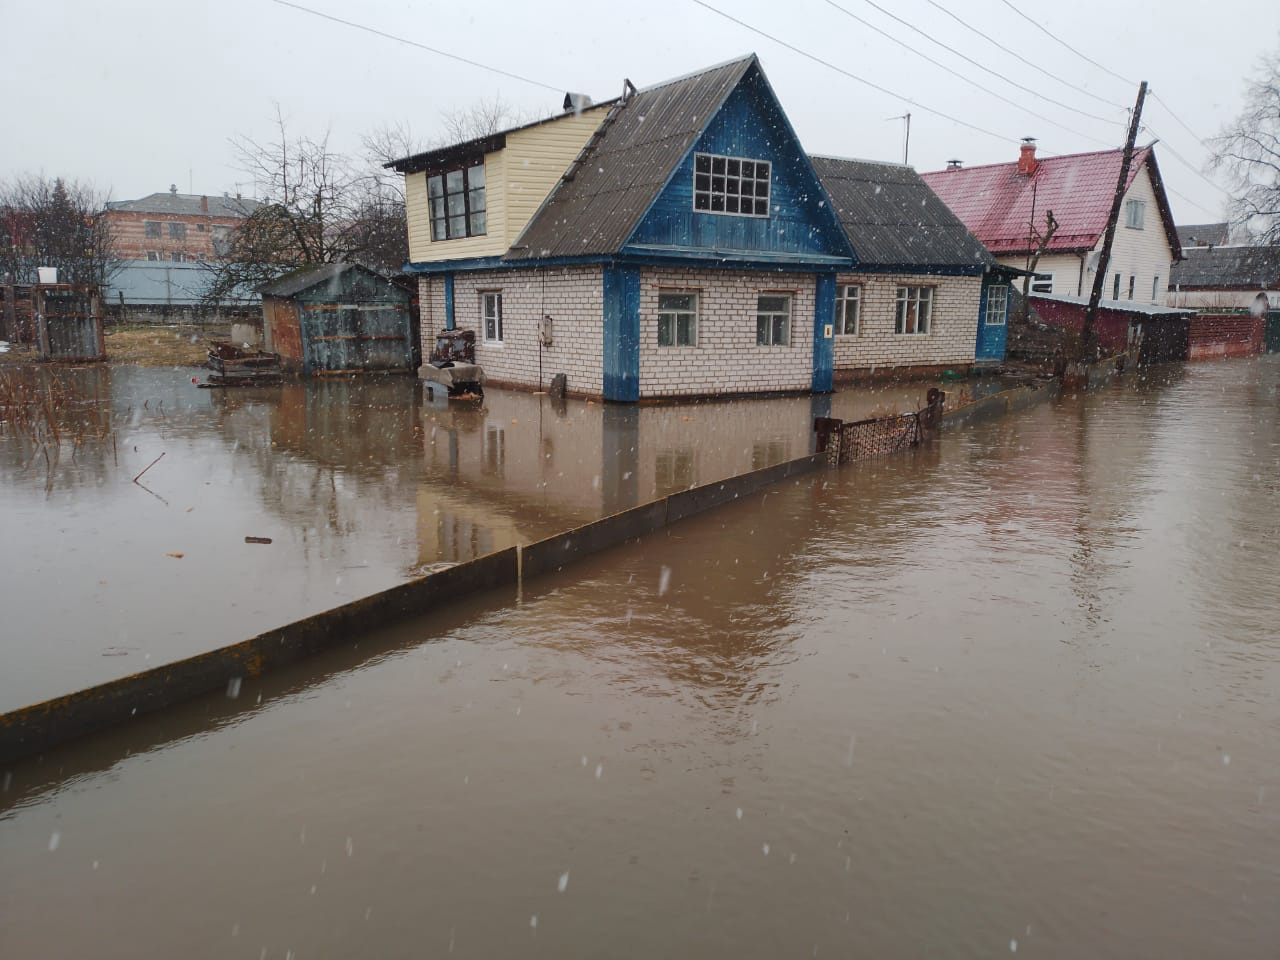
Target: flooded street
[(359, 485), (1014, 692)]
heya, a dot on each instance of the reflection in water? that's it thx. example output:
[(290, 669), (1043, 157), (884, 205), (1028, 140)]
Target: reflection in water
[(1018, 687), (359, 483)]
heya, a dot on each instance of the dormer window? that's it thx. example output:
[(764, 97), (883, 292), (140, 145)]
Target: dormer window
[(457, 203), (733, 185)]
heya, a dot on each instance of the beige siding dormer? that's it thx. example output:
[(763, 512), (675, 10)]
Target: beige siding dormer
[(518, 179)]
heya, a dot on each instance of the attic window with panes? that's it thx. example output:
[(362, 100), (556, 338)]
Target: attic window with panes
[(733, 185), (457, 203)]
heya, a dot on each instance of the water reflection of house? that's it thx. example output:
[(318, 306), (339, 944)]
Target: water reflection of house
[(676, 241)]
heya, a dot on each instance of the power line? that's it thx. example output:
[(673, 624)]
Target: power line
[(421, 46), (955, 73), (968, 59), (1203, 141), (1030, 63), (1051, 35), (851, 76), (1183, 160), (1198, 206)]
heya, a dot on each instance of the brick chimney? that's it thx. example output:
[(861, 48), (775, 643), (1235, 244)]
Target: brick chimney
[(1027, 161), (204, 204)]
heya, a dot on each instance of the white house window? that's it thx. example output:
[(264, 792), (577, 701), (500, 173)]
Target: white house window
[(1115, 287), (848, 309), (997, 304), (1155, 288), (773, 320), (915, 310), (491, 310), (677, 319), (1133, 283), (1042, 283), (457, 203), (1135, 212), (731, 185)]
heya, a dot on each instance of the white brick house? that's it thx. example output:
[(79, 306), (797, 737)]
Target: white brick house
[(675, 242)]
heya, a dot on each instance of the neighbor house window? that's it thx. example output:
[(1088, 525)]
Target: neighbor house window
[(491, 309), (176, 256), (1115, 287), (153, 254), (200, 228), (1133, 283), (731, 185), (152, 229), (848, 309), (1135, 212), (177, 231), (1042, 283), (915, 310), (773, 320), (221, 240), (457, 203), (677, 319), (1155, 288), (997, 304)]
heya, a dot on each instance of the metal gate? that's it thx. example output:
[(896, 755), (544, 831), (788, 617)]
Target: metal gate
[(846, 442)]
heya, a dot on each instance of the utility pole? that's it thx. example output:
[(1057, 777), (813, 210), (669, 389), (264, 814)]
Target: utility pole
[(1087, 336), (906, 136)]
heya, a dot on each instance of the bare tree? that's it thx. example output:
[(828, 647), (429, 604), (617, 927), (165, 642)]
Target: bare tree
[(319, 206), (53, 223), (1248, 152), (480, 119), (1041, 239)]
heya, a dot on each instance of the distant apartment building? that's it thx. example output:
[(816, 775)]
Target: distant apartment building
[(175, 227)]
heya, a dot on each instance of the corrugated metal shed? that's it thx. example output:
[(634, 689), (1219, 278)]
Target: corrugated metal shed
[(893, 219), (602, 197), (1227, 268), (304, 278)]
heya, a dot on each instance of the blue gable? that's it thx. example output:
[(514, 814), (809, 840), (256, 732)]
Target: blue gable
[(801, 227)]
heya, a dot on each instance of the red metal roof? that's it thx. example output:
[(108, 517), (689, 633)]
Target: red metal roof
[(995, 201)]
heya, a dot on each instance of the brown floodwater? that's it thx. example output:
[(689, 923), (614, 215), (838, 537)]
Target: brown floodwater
[(1012, 693), (359, 484)]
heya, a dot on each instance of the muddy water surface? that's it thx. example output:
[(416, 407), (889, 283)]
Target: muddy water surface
[(1014, 693)]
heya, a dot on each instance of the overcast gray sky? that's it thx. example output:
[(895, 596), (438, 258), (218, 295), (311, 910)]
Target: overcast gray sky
[(137, 94)]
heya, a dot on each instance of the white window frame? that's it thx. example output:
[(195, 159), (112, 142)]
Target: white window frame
[(1133, 285), (1135, 214), (848, 297), (710, 185), (1155, 288), (1042, 283), (996, 318), (675, 315), (773, 327), (491, 315), (913, 307)]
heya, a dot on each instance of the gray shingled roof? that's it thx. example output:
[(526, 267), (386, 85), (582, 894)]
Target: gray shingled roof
[(187, 204), (1198, 233), (1234, 268), (304, 278), (892, 218), (622, 169)]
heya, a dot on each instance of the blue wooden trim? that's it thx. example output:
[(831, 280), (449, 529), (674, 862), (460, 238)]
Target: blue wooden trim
[(449, 321), (991, 338), (645, 253), (824, 341), (621, 289), (635, 257)]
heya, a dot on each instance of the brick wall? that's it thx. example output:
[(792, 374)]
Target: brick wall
[(1225, 335), (572, 296), (953, 333), (727, 358), (130, 242)]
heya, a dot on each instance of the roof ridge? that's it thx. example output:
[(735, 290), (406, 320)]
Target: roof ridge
[(1041, 160), (880, 163)]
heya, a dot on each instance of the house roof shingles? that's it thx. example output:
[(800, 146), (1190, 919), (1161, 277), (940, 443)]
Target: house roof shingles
[(187, 204), (1197, 234), (893, 219), (996, 202), (1227, 268), (602, 197)]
